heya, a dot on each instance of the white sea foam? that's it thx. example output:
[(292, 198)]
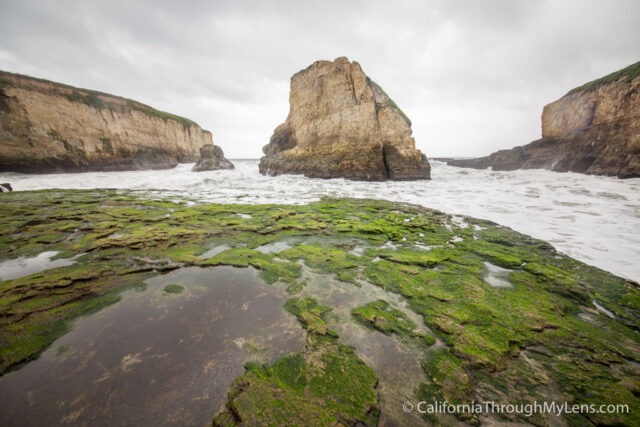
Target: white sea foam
[(594, 219)]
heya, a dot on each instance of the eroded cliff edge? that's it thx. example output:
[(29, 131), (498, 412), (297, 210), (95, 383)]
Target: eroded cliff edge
[(52, 127), (593, 129), (343, 125)]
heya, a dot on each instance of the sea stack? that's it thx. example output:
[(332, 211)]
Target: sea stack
[(52, 127), (211, 158), (341, 124), (593, 129)]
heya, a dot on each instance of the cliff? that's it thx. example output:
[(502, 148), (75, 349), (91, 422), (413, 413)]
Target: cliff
[(593, 129), (52, 127), (343, 125)]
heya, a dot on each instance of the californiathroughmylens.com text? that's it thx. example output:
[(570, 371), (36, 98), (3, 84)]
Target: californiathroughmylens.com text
[(527, 409)]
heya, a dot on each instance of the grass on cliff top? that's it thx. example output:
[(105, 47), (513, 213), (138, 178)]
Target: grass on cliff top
[(135, 105), (95, 99), (628, 73), (391, 102), (541, 339)]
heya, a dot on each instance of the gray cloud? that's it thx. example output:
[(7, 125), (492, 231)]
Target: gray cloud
[(473, 76)]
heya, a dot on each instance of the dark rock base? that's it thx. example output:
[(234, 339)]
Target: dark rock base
[(599, 150)]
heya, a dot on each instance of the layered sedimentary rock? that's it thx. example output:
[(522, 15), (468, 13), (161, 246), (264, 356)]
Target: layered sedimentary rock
[(593, 129), (343, 125), (211, 158), (51, 127)]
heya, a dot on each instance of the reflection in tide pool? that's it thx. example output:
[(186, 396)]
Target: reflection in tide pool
[(155, 358), (497, 276), (396, 363), (25, 266)]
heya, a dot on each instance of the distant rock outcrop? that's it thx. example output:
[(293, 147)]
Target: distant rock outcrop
[(52, 127), (211, 158), (593, 129), (343, 125)]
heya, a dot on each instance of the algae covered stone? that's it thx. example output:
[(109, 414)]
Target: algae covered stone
[(543, 338), (326, 384), (174, 289), (381, 316)]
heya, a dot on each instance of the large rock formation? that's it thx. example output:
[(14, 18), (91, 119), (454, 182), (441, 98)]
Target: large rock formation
[(342, 125), (593, 129), (51, 127), (211, 158)]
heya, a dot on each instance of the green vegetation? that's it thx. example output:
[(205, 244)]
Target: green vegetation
[(391, 101), (270, 270), (134, 105), (628, 73), (92, 100), (384, 318), (424, 259), (541, 339), (325, 384), (309, 313), (380, 315), (448, 378), (174, 289), (326, 260)]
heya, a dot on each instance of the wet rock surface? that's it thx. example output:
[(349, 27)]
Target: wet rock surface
[(117, 368), (341, 124), (469, 310), (594, 129), (211, 158)]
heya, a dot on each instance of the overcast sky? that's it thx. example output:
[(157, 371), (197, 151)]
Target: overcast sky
[(472, 76)]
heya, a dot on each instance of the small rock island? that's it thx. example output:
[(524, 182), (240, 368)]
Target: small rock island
[(52, 127), (341, 124), (211, 158), (593, 129)]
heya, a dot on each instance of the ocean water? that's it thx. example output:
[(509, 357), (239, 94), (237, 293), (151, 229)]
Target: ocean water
[(593, 219)]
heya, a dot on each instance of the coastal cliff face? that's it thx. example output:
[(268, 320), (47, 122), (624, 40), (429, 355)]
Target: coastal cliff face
[(51, 127), (594, 129), (342, 125)]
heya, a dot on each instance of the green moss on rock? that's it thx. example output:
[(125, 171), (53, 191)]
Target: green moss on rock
[(309, 313), (326, 384), (538, 339), (381, 316), (174, 289)]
